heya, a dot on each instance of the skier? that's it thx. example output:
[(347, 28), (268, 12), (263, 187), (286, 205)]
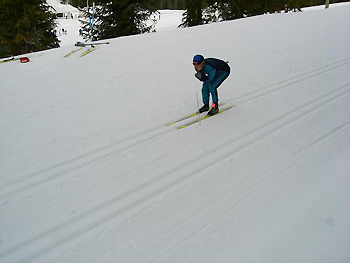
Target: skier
[(212, 72)]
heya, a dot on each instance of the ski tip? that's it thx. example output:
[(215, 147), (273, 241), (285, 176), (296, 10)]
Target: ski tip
[(170, 123)]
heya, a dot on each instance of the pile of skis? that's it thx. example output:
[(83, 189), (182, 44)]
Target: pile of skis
[(90, 47), (92, 44)]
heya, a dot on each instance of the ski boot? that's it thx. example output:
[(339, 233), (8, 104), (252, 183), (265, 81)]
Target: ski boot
[(204, 108), (214, 109)]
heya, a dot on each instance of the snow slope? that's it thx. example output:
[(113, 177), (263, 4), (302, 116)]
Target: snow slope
[(90, 173), (168, 19)]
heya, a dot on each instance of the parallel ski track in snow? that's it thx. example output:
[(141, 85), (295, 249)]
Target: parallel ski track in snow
[(296, 79), (51, 238), (146, 136)]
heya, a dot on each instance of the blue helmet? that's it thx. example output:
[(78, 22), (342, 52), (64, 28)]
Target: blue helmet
[(198, 58)]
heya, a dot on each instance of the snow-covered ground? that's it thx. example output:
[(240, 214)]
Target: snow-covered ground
[(72, 36), (90, 173), (168, 20)]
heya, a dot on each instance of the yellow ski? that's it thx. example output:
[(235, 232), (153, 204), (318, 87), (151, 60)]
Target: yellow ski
[(88, 51), (186, 117), (72, 52), (203, 118)]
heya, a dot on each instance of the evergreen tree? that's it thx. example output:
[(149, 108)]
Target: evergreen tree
[(230, 9), (78, 3), (193, 15), (169, 4), (211, 12), (26, 26), (113, 19)]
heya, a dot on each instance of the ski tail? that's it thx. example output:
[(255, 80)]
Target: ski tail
[(182, 119)]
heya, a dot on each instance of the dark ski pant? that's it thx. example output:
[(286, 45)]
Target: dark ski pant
[(212, 88)]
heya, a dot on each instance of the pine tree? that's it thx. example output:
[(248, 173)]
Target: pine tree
[(193, 15), (113, 19), (26, 26), (230, 9), (78, 3)]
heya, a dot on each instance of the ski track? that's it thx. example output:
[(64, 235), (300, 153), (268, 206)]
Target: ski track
[(187, 171), (261, 180), (193, 226), (165, 186), (118, 147), (150, 134), (136, 141)]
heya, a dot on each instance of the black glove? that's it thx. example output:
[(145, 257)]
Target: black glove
[(200, 76)]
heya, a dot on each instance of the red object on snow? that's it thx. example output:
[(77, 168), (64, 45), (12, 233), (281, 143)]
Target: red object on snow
[(24, 60)]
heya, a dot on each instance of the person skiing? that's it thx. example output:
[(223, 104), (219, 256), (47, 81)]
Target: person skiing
[(212, 72)]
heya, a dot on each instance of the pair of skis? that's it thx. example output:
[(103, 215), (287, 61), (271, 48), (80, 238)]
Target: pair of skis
[(203, 117), (87, 51), (90, 47)]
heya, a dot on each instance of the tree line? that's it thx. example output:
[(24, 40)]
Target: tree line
[(181, 4), (157, 4), (199, 12), (128, 17), (29, 25)]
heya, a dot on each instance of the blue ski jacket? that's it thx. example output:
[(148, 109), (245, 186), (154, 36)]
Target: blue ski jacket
[(212, 68)]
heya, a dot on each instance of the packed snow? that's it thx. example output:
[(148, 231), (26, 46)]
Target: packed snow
[(89, 171)]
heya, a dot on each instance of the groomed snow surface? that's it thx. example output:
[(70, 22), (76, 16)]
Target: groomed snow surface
[(90, 172)]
